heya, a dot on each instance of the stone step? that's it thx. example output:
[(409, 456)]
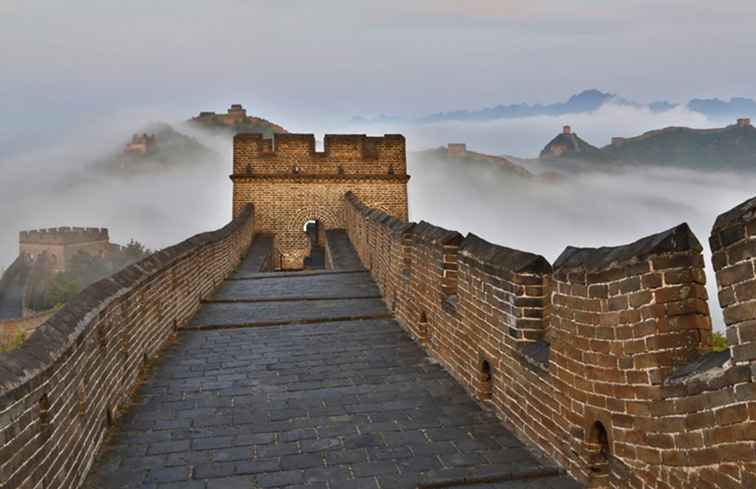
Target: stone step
[(323, 286)]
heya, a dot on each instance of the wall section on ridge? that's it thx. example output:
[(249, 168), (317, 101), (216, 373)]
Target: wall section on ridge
[(61, 389), (602, 362)]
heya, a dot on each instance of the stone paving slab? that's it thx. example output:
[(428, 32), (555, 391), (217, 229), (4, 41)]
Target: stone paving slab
[(292, 273), (215, 315), (323, 286), (343, 254), (347, 404), (334, 405), (258, 256), (545, 483)]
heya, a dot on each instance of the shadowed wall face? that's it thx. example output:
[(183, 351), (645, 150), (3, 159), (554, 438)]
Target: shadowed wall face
[(290, 183), (733, 245)]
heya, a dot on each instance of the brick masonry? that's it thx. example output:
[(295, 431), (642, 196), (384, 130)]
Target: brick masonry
[(63, 388), (292, 183), (602, 361), (61, 244)]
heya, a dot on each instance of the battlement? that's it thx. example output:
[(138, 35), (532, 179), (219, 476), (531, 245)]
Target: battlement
[(603, 360), (744, 122), (63, 236), (235, 114), (343, 154), (613, 293)]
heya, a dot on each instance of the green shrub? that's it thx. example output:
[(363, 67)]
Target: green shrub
[(718, 342)]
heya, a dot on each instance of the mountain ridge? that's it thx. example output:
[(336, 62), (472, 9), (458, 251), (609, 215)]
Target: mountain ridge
[(729, 147), (582, 102)]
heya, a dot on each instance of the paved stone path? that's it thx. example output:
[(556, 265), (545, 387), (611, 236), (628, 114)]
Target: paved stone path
[(343, 254), (337, 404)]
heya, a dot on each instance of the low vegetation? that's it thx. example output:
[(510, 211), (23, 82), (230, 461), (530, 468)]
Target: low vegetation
[(85, 269)]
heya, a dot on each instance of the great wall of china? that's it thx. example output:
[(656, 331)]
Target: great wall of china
[(599, 362)]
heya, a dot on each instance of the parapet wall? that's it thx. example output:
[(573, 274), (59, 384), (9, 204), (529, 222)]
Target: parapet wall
[(62, 389), (348, 154), (603, 362), (63, 235)]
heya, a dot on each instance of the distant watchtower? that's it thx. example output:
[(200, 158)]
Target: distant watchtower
[(142, 144), (291, 184), (456, 149), (60, 244)]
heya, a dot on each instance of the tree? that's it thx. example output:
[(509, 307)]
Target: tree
[(62, 289)]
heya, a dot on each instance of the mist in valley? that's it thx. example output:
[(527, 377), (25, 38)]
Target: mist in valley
[(159, 206), (68, 184), (589, 209)]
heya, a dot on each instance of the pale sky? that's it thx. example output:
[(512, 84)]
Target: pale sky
[(303, 61)]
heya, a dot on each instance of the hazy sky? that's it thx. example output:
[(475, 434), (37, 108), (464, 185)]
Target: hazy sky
[(306, 62)]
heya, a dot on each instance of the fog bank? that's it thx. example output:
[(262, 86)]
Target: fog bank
[(54, 186), (590, 209)]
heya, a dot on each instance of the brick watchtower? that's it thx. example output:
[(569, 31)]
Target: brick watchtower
[(291, 184), (60, 244)]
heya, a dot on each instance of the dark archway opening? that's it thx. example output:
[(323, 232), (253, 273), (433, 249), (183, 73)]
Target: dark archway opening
[(316, 259), (486, 381), (599, 450), (423, 326)]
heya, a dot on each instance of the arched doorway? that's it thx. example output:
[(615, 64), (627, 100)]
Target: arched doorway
[(316, 259), (599, 453)]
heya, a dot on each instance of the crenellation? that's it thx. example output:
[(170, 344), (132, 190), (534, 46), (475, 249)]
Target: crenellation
[(346, 154), (603, 362), (60, 244), (63, 235), (733, 243)]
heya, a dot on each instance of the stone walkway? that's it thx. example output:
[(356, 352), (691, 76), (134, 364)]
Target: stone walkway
[(327, 405)]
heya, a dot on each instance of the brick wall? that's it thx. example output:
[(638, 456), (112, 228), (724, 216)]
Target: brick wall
[(61, 244), (604, 362), (62, 388), (733, 244), (290, 183)]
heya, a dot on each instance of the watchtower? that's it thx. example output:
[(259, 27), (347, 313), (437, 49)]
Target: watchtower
[(292, 185), (60, 244), (456, 149)]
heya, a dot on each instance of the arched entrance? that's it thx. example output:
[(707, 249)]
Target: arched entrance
[(599, 453), (316, 258)]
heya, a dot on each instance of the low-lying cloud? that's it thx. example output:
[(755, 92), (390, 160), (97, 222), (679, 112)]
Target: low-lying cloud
[(54, 186), (525, 137), (589, 209)]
